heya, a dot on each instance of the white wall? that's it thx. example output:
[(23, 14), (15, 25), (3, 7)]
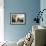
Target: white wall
[(43, 6), (1, 20)]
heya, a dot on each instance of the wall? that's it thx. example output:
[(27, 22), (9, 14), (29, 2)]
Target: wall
[(43, 6), (1, 20), (30, 7)]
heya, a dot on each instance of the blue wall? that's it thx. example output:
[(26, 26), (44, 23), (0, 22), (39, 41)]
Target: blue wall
[(30, 7)]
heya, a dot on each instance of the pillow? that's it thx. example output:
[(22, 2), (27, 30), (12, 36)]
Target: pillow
[(28, 39)]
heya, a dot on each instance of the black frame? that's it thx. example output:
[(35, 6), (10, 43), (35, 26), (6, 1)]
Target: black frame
[(11, 14)]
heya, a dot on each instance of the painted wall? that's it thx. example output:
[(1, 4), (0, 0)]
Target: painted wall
[(30, 7), (43, 6), (1, 20)]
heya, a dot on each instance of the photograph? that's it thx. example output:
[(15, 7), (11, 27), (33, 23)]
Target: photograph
[(17, 18)]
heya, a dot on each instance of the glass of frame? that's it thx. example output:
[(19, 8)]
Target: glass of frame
[(17, 18)]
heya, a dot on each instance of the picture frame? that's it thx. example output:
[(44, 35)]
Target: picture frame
[(17, 18)]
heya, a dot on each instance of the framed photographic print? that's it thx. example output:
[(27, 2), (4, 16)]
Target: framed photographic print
[(17, 18)]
